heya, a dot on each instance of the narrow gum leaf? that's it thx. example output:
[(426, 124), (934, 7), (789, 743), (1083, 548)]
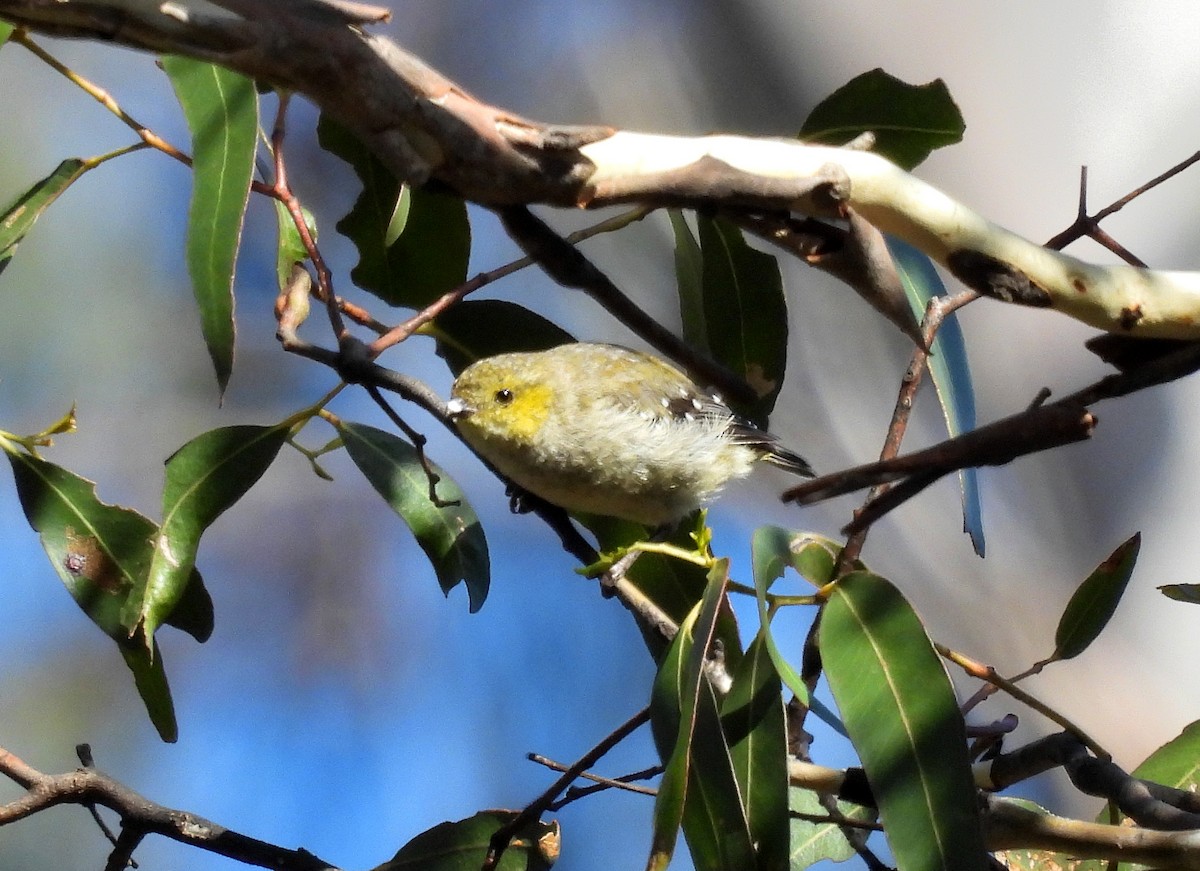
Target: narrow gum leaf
[(770, 551), (900, 710), (150, 678), (950, 370), (1182, 592), (755, 725), (1176, 763), (699, 789), (18, 219), (476, 328), (221, 108), (1095, 601), (100, 552), (450, 535), (744, 311), (689, 280)]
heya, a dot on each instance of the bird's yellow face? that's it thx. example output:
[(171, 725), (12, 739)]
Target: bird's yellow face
[(498, 401)]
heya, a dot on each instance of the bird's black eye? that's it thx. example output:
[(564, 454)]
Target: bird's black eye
[(504, 397)]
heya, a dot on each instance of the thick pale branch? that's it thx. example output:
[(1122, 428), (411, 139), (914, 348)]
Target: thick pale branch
[(425, 127)]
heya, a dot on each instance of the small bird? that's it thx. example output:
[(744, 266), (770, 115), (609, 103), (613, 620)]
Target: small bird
[(601, 429)]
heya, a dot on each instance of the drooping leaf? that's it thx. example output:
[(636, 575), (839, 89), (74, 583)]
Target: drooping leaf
[(150, 678), (102, 554), (6, 30), (698, 790), (1095, 601), (478, 328), (744, 312), (221, 108), (755, 727), (18, 219), (899, 708), (462, 846), (909, 121), (449, 534), (411, 249), (950, 371), (689, 280), (204, 478)]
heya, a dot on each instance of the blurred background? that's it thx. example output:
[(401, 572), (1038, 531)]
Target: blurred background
[(343, 704)]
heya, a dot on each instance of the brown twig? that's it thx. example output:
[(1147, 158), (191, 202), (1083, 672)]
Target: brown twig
[(625, 782), (1036, 429), (936, 311), (1089, 225), (140, 817), (534, 810)]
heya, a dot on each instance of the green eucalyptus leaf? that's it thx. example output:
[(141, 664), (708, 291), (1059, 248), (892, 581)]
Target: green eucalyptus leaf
[(476, 328), (1095, 601), (462, 846), (772, 550), (744, 312), (950, 370), (150, 678), (770, 554), (698, 790), (811, 842), (291, 247), (909, 121), (1182, 592), (899, 708), (1176, 763), (18, 219), (755, 727), (102, 554), (6, 30), (221, 108), (413, 245), (204, 478), (450, 534), (689, 280)]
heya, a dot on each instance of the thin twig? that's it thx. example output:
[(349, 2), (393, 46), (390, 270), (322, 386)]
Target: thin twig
[(534, 810)]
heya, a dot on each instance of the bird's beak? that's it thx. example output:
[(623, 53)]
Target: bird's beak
[(457, 409)]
